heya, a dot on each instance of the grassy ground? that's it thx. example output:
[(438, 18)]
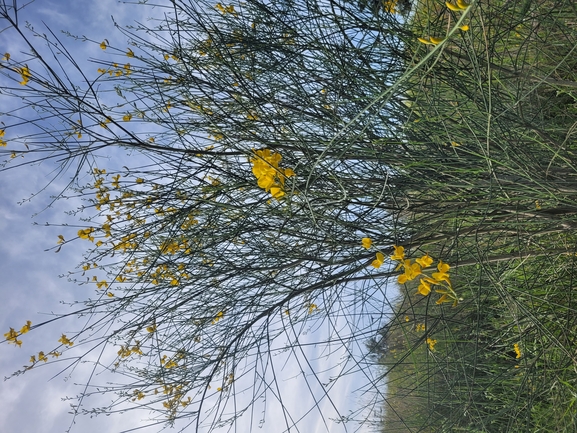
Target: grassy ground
[(492, 132)]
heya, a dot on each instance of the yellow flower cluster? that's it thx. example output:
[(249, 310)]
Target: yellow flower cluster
[(431, 344), (459, 7), (219, 316), (270, 177), (225, 9), (64, 340), (390, 6), (126, 351), (431, 40), (116, 72), (86, 234), (12, 335), (413, 270), (517, 350), (25, 73)]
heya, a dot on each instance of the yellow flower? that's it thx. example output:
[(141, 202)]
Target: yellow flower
[(424, 41), (26, 327), (431, 343), (425, 261), (399, 253), (127, 117), (436, 41), (277, 192), (453, 7), (11, 336), (390, 6), (411, 272), (367, 242), (42, 357), (86, 234), (312, 307), (219, 316), (129, 53), (25, 73), (102, 284), (424, 288), (462, 4), (464, 28), (64, 340), (442, 275), (103, 44), (380, 259), (444, 297), (517, 350)]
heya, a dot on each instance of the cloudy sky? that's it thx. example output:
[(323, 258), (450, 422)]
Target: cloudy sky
[(31, 286)]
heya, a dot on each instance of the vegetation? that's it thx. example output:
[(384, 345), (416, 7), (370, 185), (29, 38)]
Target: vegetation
[(278, 165)]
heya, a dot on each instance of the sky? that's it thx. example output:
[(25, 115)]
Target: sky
[(31, 284)]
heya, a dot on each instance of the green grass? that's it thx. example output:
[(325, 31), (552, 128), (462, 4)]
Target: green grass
[(492, 137)]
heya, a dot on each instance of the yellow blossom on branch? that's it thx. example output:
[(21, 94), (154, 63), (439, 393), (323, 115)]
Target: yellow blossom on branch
[(12, 337), (26, 327), (25, 73), (442, 275), (379, 260), (424, 261), (424, 288), (271, 178), (86, 234), (218, 316), (431, 344), (367, 242), (412, 270), (517, 350), (64, 340), (399, 253)]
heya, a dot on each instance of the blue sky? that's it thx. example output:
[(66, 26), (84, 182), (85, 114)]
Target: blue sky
[(31, 285)]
